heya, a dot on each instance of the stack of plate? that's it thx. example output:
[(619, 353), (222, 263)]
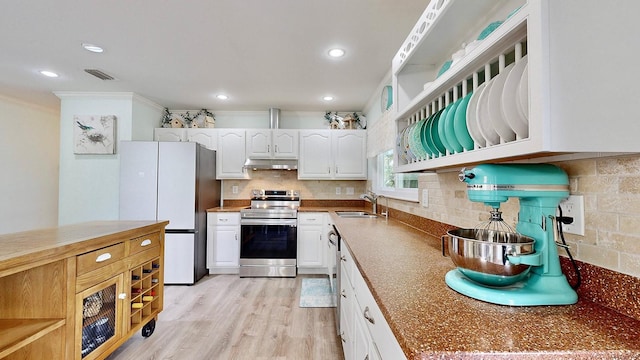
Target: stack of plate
[(499, 109), (497, 112)]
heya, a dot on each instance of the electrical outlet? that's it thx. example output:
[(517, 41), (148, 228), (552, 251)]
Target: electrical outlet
[(573, 207), (234, 189), (349, 191), (425, 198), (338, 190)]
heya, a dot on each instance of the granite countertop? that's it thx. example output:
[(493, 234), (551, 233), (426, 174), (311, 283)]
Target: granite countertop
[(404, 269)]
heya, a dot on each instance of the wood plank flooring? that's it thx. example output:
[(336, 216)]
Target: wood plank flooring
[(227, 317)]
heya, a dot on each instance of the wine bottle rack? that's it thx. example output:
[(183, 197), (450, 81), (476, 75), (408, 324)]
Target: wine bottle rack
[(145, 292)]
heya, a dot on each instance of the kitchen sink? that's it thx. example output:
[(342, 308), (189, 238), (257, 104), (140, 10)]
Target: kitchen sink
[(355, 214)]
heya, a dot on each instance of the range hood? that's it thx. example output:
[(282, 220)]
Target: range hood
[(271, 164)]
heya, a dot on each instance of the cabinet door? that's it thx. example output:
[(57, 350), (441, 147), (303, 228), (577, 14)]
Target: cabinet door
[(285, 144), (226, 246), (349, 149), (99, 318), (230, 156), (315, 155), (170, 134), (310, 246), (361, 338), (206, 137), (258, 144), (347, 319)]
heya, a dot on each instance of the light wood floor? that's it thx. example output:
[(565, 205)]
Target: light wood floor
[(227, 317)]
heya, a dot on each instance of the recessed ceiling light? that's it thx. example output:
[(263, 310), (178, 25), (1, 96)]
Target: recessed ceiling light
[(48, 73), (336, 53), (92, 48), (327, 98), (222, 97)]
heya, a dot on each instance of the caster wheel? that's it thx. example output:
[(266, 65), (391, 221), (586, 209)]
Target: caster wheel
[(148, 328)]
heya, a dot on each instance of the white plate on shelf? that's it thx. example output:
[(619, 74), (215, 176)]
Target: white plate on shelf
[(523, 93), (500, 124), (483, 117), (472, 117), (511, 100)]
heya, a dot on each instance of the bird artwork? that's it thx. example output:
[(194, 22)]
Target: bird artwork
[(84, 127), (94, 134)]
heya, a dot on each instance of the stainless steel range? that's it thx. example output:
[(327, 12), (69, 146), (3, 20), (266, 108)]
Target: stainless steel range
[(268, 229)]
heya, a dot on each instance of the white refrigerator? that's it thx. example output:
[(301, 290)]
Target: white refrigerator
[(173, 181)]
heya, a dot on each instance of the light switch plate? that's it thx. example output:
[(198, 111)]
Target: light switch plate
[(338, 190), (349, 191), (234, 189)]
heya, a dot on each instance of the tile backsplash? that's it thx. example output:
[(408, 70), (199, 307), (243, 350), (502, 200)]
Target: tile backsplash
[(610, 186), (282, 179)]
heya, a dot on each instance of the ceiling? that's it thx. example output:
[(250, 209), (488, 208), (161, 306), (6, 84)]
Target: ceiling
[(181, 54)]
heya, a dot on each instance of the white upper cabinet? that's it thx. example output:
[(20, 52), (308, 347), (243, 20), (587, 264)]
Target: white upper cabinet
[(269, 144), (206, 137), (332, 154), (170, 134), (230, 156), (553, 77), (349, 152)]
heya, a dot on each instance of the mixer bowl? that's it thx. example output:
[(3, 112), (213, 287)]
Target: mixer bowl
[(482, 255)]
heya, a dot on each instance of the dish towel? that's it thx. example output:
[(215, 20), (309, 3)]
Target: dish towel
[(316, 293)]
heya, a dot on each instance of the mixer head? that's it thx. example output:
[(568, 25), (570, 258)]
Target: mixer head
[(494, 184)]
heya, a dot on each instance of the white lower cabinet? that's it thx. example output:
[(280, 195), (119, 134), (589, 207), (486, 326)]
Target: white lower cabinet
[(364, 331), (223, 243), (312, 243)]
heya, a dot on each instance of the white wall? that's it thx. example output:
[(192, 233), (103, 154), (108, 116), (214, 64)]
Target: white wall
[(29, 140), (89, 184)]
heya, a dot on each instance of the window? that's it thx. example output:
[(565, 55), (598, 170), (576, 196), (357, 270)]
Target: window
[(395, 185)]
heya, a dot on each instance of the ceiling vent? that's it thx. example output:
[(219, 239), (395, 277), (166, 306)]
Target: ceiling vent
[(99, 74)]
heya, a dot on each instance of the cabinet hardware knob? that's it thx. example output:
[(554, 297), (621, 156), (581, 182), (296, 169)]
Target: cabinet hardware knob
[(366, 315), (342, 258), (342, 337), (343, 294), (103, 257), (146, 242)]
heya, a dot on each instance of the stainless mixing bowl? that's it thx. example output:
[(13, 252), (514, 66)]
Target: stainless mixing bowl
[(482, 255)]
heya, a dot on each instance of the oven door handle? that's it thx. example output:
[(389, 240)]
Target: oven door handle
[(285, 222)]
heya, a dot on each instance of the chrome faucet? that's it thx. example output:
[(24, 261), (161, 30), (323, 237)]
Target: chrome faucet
[(386, 206), (373, 198)]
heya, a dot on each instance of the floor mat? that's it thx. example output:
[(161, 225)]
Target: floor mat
[(316, 292)]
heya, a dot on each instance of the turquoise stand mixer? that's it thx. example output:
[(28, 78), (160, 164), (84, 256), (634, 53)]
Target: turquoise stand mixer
[(521, 267)]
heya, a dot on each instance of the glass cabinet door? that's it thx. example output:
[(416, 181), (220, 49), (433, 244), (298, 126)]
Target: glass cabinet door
[(99, 317)]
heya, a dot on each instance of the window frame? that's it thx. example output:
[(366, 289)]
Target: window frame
[(377, 177)]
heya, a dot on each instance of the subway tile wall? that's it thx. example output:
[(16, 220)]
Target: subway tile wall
[(610, 186)]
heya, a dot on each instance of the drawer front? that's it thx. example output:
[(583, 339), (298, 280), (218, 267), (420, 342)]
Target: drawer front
[(143, 256), (143, 243), (99, 258), (224, 219), (311, 218)]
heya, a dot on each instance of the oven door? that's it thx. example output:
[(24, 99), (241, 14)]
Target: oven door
[(268, 247)]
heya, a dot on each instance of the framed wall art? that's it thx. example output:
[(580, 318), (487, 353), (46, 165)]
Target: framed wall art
[(94, 134)]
